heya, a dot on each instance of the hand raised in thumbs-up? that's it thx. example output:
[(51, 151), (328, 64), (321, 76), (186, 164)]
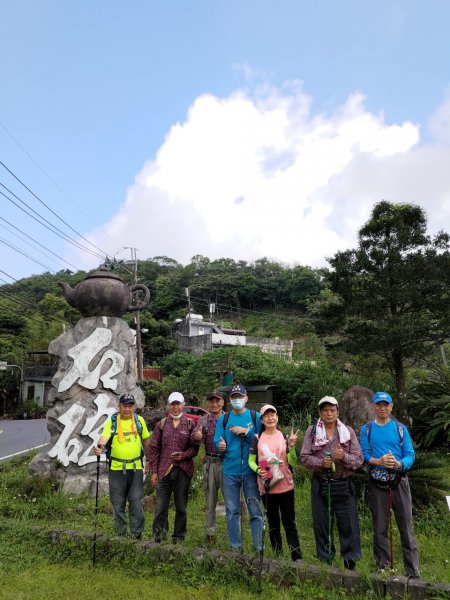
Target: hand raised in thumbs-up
[(222, 445)]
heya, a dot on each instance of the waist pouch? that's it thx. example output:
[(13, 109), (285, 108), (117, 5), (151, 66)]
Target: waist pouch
[(339, 488), (384, 478)]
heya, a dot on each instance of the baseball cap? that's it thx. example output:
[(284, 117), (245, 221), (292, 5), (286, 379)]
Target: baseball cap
[(175, 397), (238, 390), (127, 399), (328, 400), (215, 394), (267, 407), (381, 397)]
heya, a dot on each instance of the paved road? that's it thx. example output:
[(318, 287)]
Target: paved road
[(17, 437)]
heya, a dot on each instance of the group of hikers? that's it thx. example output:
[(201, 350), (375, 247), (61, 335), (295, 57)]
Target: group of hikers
[(245, 451)]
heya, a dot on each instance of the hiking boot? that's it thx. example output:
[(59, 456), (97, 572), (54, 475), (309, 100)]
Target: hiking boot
[(349, 564), (210, 540)]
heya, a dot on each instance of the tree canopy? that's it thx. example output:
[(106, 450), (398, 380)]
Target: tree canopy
[(390, 294)]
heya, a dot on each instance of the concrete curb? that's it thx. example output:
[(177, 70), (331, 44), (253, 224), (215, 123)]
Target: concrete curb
[(281, 573)]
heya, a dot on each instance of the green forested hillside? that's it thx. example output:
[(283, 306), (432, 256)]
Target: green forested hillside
[(381, 314)]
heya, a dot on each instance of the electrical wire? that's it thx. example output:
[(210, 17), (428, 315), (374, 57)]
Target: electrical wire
[(50, 209), (36, 242), (52, 180), (247, 310), (27, 256), (52, 227), (25, 304), (20, 314)]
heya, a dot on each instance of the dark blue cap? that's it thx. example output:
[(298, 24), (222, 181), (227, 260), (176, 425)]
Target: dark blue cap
[(238, 390), (127, 399)]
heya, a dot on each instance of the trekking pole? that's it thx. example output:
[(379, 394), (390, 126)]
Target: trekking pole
[(391, 539), (241, 510), (329, 509), (263, 531), (94, 545)]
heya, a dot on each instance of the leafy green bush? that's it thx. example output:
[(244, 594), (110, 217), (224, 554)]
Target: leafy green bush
[(29, 410)]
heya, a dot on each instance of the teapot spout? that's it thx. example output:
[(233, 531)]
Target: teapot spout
[(68, 293)]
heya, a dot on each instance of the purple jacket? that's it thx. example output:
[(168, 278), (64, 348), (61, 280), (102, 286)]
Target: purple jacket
[(312, 456)]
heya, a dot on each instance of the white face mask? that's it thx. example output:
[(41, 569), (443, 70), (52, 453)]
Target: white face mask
[(177, 416), (237, 403)]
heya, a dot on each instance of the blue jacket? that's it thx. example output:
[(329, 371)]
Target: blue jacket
[(387, 437), (232, 460)]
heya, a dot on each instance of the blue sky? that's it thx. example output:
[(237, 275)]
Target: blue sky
[(223, 128)]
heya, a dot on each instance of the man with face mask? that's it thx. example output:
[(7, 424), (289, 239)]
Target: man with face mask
[(234, 433), (172, 449)]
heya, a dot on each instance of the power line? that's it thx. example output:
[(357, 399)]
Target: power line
[(22, 302), (248, 310), (21, 314), (50, 209), (36, 242), (52, 180), (27, 255), (52, 227)]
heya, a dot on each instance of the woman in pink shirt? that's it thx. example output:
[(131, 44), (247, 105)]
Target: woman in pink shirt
[(270, 456)]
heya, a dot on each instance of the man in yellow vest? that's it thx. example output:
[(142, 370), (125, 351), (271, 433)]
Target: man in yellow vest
[(126, 482)]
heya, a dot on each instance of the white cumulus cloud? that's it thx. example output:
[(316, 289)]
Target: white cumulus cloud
[(260, 174)]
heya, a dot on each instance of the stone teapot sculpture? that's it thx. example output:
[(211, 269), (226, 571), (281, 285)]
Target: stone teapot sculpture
[(104, 294)]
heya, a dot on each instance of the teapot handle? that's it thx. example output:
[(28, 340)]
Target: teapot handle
[(146, 299)]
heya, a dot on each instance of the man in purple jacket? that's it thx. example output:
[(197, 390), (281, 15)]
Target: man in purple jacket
[(172, 449), (332, 452)]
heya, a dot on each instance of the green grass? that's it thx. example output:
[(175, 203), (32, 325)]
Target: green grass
[(34, 568)]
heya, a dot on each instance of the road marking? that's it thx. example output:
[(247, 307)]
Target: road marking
[(23, 451)]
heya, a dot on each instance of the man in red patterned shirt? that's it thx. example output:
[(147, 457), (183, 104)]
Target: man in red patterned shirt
[(172, 450)]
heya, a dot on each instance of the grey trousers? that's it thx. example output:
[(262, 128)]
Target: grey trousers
[(402, 509), (212, 480), (123, 487)]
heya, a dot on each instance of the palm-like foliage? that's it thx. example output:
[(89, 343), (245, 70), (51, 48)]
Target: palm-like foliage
[(429, 479), (430, 410)]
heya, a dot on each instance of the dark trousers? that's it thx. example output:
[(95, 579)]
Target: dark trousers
[(346, 516), (176, 483), (282, 504), (122, 487), (402, 508)]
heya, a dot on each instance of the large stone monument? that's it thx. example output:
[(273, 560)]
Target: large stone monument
[(356, 407), (96, 366)]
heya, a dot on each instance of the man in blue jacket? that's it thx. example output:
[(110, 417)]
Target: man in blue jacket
[(234, 433), (388, 451)]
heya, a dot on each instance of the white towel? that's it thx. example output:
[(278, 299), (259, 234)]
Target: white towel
[(321, 434)]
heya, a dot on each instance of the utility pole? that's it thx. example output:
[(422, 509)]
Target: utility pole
[(137, 318)]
